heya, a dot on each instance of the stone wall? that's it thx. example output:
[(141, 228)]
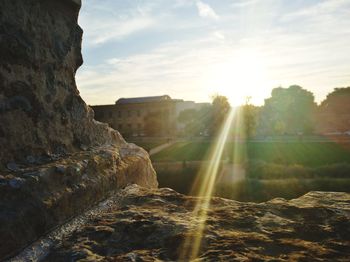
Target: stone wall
[(55, 159), (41, 112)]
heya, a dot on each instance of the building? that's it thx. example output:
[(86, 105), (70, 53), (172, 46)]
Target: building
[(144, 116), (140, 116)]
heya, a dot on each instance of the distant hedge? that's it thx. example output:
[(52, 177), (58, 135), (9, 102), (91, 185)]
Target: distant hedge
[(265, 181), (263, 170)]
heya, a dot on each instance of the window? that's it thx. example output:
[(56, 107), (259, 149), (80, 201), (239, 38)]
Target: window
[(110, 114)]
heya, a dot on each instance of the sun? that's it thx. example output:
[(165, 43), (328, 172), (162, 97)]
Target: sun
[(242, 74)]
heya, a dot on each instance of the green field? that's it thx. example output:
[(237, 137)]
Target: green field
[(286, 153), (147, 145), (273, 169), (256, 190)]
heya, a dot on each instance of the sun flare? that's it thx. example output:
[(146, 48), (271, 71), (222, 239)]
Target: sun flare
[(206, 186), (243, 74)]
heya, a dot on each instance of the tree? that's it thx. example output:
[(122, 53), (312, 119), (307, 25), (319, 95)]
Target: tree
[(337, 101), (288, 110), (195, 121), (249, 114), (220, 110), (333, 115)]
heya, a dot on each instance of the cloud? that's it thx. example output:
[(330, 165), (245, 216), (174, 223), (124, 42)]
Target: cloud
[(243, 3), (175, 68), (302, 44), (105, 24), (119, 30), (205, 10), (181, 69), (321, 10), (219, 35)]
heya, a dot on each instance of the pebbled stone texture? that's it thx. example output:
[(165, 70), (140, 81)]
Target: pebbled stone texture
[(153, 225)]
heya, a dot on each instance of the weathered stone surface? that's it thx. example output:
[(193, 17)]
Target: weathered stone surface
[(41, 111), (150, 225), (55, 159), (36, 198)]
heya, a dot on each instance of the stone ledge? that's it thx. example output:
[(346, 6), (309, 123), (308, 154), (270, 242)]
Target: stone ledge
[(159, 225), (34, 200)]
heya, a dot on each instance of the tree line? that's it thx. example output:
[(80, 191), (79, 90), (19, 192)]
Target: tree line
[(289, 111)]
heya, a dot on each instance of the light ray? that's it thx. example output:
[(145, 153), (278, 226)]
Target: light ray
[(191, 245), (239, 153)]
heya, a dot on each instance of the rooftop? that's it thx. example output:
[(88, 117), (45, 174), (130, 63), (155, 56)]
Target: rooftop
[(146, 99)]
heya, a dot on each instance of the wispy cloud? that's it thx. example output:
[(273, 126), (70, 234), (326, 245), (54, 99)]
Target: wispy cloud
[(175, 68), (306, 44), (321, 8), (119, 30), (107, 25), (243, 3), (219, 35), (206, 11)]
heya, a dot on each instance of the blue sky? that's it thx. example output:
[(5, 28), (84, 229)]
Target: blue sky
[(193, 49)]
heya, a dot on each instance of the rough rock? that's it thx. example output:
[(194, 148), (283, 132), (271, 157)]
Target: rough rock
[(41, 111), (155, 225), (55, 159)]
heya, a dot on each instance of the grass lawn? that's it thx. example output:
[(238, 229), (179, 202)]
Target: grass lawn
[(256, 190), (190, 151), (262, 190), (303, 153), (148, 145)]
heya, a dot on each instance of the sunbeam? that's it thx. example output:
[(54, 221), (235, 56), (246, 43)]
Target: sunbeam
[(207, 178), (235, 169), (239, 154)]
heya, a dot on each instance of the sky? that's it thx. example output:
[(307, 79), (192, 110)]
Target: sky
[(194, 49)]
